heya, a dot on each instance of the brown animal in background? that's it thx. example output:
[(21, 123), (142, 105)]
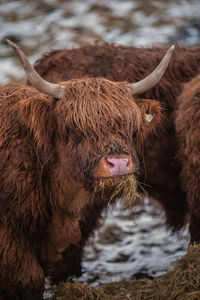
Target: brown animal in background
[(161, 169), (59, 144), (187, 121)]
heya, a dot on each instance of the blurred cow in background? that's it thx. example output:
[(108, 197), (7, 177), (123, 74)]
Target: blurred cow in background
[(187, 121)]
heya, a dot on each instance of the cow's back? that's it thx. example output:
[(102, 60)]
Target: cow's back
[(120, 63)]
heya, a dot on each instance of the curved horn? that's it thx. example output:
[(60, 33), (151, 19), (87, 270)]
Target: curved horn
[(34, 78), (152, 79)]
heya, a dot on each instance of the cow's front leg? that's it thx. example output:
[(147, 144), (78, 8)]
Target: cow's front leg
[(71, 258), (70, 265), (21, 276)]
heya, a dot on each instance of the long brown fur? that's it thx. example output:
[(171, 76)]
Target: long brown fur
[(49, 151), (187, 120), (167, 174)]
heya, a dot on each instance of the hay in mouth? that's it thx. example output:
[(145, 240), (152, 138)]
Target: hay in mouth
[(124, 187)]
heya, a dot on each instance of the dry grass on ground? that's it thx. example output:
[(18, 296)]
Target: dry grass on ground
[(182, 283)]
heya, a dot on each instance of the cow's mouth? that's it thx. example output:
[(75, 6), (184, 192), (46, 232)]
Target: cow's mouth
[(113, 187)]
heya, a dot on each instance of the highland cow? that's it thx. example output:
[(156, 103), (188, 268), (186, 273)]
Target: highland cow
[(66, 150), (187, 122), (163, 168)]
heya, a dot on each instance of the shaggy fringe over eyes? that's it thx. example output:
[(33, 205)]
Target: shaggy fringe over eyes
[(125, 188), (95, 107)]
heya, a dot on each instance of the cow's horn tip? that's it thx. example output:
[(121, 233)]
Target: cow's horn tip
[(8, 41), (13, 45)]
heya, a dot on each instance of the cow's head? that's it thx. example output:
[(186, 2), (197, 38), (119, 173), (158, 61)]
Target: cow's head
[(99, 125)]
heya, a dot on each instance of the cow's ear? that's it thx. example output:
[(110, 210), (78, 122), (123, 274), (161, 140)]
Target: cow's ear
[(152, 116), (36, 114)]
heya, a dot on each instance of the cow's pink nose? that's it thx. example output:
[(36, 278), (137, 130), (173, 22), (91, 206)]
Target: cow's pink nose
[(118, 165)]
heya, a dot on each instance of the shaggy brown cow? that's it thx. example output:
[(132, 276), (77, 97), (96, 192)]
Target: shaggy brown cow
[(63, 148), (187, 121), (162, 169)]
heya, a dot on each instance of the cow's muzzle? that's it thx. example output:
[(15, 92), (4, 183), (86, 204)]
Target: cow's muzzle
[(114, 165)]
